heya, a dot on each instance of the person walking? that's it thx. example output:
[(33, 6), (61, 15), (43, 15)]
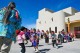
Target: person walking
[(54, 39), (10, 21), (35, 40), (21, 39), (35, 43)]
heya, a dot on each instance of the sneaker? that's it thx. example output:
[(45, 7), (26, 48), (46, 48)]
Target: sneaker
[(54, 46), (36, 50), (57, 47)]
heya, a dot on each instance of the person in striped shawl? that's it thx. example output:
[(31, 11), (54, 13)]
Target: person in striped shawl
[(10, 21)]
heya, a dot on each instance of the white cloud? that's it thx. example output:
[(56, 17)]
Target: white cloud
[(31, 26)]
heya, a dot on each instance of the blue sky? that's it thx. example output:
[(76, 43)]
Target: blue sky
[(29, 8)]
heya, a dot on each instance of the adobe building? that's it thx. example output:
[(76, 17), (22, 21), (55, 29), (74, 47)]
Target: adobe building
[(67, 19)]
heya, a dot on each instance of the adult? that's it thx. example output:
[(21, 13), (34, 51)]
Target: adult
[(9, 22), (54, 39), (60, 37), (63, 34), (47, 37)]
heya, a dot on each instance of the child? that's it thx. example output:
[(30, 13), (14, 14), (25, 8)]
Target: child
[(35, 40), (21, 38), (35, 43)]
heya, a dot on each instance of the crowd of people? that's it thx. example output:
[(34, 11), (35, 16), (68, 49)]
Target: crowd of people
[(33, 35)]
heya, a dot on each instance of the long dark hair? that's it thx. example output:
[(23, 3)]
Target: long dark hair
[(8, 12)]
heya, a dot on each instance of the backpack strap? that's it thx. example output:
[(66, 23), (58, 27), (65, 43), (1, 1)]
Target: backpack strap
[(21, 33)]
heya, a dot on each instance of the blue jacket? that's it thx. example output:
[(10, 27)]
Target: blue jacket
[(8, 30)]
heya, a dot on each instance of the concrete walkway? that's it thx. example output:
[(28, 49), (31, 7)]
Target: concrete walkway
[(70, 47)]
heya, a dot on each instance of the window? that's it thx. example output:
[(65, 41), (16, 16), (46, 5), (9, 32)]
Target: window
[(50, 29), (55, 29), (40, 22), (52, 19)]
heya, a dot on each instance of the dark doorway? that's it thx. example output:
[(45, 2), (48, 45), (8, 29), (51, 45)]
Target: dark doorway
[(55, 29), (77, 31), (67, 29), (50, 29)]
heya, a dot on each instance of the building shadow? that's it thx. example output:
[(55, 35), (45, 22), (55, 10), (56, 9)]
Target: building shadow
[(44, 50)]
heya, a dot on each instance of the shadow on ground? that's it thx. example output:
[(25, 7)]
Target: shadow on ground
[(29, 46), (50, 44), (44, 50), (32, 46), (60, 47), (40, 45)]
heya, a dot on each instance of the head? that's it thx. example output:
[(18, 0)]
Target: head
[(26, 29), (34, 30), (38, 30), (59, 32), (12, 5), (71, 33), (23, 29), (42, 30), (34, 37), (52, 32), (7, 14)]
